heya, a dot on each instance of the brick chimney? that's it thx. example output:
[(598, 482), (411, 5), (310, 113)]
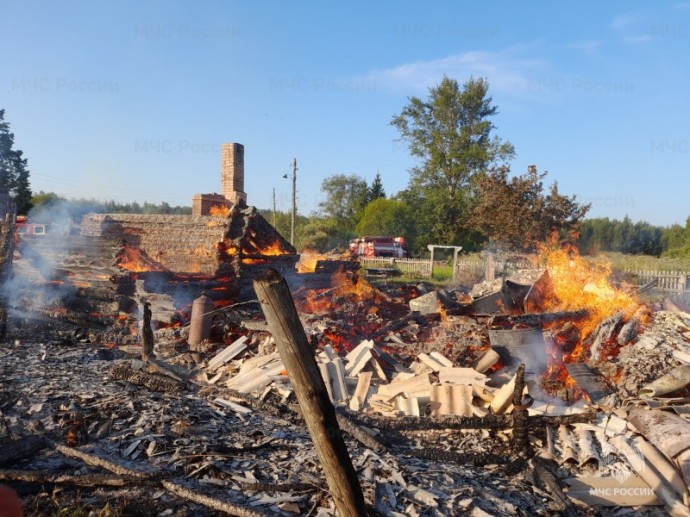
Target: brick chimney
[(232, 173)]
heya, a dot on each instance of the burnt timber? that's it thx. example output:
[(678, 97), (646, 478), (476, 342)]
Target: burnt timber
[(102, 271)]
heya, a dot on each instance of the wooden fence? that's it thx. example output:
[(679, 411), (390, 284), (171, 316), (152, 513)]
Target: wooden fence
[(410, 267), (469, 272), (422, 267), (666, 281)]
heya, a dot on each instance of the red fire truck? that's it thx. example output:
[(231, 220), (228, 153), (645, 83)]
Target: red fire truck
[(24, 227), (380, 246)]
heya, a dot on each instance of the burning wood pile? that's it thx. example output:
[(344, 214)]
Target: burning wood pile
[(548, 391)]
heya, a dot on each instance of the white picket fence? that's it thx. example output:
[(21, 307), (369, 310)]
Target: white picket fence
[(666, 281), (422, 267), (410, 267)]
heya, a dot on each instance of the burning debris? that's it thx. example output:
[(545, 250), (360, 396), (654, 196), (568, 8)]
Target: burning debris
[(546, 391)]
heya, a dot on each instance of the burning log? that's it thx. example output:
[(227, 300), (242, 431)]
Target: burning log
[(535, 319), (317, 410)]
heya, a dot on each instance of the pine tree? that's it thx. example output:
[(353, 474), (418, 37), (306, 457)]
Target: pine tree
[(14, 174), (375, 190)]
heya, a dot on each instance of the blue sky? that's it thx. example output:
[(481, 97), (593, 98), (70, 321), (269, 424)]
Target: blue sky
[(132, 100)]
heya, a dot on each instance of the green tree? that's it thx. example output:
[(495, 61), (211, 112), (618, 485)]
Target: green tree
[(346, 196), (516, 213), (324, 235), (451, 134), (14, 174), (387, 217), (375, 190), (677, 241)]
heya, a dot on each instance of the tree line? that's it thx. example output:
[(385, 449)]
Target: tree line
[(460, 192)]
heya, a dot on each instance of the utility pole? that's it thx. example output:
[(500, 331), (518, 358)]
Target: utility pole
[(294, 201), (274, 207)]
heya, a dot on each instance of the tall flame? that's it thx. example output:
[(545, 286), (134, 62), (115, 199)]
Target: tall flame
[(579, 284)]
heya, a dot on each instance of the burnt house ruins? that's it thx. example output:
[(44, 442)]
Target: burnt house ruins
[(103, 272)]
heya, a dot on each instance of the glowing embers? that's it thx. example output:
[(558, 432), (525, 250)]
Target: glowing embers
[(219, 211), (345, 286)]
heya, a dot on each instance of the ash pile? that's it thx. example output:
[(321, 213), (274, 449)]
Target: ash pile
[(509, 398)]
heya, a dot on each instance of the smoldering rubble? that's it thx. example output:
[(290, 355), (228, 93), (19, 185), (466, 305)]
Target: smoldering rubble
[(439, 415)]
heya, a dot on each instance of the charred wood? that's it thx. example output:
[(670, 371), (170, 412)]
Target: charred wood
[(284, 487), (147, 333), (359, 434), (535, 319), (25, 447), (148, 380), (88, 480), (468, 422), (476, 460), (211, 502), (549, 484), (96, 461), (520, 417)]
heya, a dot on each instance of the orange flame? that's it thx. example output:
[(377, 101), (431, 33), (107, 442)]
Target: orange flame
[(133, 259), (578, 284), (219, 211), (307, 261), (344, 284)]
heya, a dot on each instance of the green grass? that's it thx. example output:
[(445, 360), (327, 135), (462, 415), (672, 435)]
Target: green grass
[(621, 262)]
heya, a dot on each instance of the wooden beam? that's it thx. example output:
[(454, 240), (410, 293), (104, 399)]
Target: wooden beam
[(318, 411)]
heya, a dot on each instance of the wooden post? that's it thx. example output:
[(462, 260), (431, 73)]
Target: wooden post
[(147, 333), (7, 228), (489, 270), (310, 390)]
